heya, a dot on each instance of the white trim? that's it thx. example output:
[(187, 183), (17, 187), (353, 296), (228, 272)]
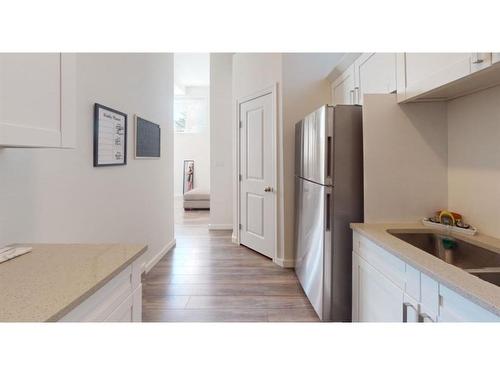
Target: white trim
[(285, 263), (278, 178), (148, 266), (234, 238), (220, 226)]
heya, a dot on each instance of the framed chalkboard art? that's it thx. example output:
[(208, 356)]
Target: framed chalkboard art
[(147, 139)]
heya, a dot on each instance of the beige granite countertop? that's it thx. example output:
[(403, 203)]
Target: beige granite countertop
[(479, 291), (52, 279)]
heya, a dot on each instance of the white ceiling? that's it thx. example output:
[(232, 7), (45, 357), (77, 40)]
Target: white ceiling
[(192, 69)]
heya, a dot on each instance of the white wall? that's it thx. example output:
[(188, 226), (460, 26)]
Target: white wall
[(193, 146), (405, 159), (58, 196), (221, 141), (474, 159), (404, 163)]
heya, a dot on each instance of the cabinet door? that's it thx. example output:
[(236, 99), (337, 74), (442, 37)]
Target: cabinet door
[(418, 73), (375, 73), (343, 88), (375, 298), (34, 99), (495, 57), (455, 308), (429, 300)]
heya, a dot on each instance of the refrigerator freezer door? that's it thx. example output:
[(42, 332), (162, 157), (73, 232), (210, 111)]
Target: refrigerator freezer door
[(314, 146), (313, 243)]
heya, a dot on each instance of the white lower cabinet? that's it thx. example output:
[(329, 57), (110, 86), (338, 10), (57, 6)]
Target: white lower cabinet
[(375, 297), (386, 289), (119, 300), (455, 308)]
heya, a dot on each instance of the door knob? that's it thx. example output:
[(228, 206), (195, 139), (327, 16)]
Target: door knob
[(268, 189)]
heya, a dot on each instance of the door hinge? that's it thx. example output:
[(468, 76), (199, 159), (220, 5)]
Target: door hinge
[(241, 177), (241, 124), (241, 226)]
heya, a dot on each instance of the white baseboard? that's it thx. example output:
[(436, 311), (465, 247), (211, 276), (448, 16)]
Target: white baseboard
[(220, 226), (148, 266), (285, 263)]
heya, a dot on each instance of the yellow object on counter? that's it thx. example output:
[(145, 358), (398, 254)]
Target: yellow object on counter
[(448, 218)]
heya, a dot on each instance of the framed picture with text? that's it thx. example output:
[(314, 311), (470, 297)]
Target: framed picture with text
[(110, 136)]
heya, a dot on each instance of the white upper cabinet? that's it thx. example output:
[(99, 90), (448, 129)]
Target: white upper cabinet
[(37, 100), (343, 88), (375, 73), (422, 73), (416, 76)]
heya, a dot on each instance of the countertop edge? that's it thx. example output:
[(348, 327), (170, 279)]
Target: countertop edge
[(61, 313), (488, 305)]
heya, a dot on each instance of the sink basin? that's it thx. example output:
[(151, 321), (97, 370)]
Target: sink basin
[(489, 276), (476, 260)]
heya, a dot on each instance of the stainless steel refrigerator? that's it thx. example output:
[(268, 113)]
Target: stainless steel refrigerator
[(328, 197)]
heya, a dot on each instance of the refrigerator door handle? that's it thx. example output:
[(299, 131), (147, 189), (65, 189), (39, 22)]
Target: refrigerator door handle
[(329, 156), (327, 212)]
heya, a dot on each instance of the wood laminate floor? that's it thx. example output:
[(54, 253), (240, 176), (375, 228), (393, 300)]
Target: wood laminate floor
[(207, 278)]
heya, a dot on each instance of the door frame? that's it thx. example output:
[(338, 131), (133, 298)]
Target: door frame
[(273, 90)]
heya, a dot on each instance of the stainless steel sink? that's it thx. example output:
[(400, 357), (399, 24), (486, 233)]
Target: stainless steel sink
[(476, 260), (491, 276)]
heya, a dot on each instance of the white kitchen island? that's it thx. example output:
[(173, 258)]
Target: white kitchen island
[(73, 282)]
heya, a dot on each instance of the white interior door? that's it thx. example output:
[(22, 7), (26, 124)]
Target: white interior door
[(257, 170)]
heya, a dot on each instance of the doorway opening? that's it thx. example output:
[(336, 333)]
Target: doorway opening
[(191, 139), (207, 277)]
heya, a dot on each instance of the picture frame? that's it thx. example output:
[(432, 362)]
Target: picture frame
[(147, 139), (110, 136), (188, 176)]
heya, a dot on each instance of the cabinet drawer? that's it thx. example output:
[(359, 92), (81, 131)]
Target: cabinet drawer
[(129, 310), (102, 303), (123, 313), (412, 284), (389, 265)]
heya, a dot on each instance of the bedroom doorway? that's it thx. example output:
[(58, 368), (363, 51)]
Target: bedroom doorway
[(192, 136)]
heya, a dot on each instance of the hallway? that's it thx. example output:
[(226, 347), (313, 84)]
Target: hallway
[(207, 278)]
